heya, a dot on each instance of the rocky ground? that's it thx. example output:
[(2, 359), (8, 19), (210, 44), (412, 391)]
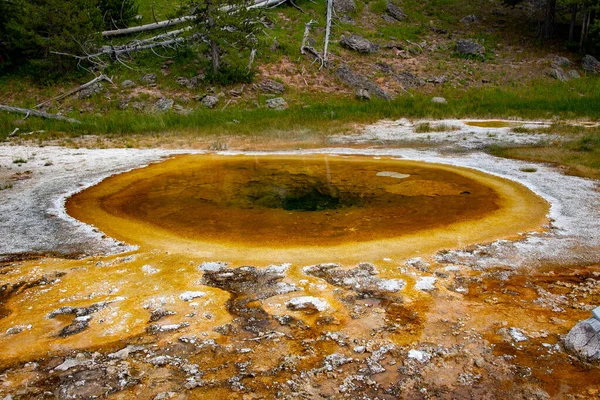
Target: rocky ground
[(486, 321)]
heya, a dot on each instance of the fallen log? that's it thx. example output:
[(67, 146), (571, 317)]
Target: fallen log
[(78, 89), (37, 113)]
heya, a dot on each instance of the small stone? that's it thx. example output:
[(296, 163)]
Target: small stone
[(395, 12), (363, 94), (91, 90), (18, 329), (278, 103), (149, 79), (469, 19), (344, 6), (573, 74), (189, 296), (306, 303), (210, 101), (479, 362), (163, 105), (558, 74), (270, 86), (359, 44), (469, 48), (128, 84), (439, 100)]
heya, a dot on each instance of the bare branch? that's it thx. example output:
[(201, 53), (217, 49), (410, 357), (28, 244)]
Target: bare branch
[(37, 113)]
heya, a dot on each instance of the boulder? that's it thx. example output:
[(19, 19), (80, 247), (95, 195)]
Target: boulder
[(270, 86), (163, 104), (357, 81), (583, 341), (590, 64), (210, 101), (469, 48), (573, 74), (91, 90), (394, 11), (558, 74), (149, 79), (344, 6), (128, 84), (561, 62), (278, 103), (359, 44)]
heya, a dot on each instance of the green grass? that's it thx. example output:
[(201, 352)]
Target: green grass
[(575, 99)]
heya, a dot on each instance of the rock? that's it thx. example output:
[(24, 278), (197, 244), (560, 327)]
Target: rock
[(419, 355), (278, 103), (425, 283), (439, 100), (409, 80), (138, 105), (276, 45), (344, 6), (125, 352), (357, 81), (359, 44), (181, 110), (189, 296), (558, 74), (561, 62), (210, 101), (469, 48), (18, 329), (128, 84), (469, 19), (306, 303), (149, 79), (583, 341), (123, 104), (91, 90), (590, 64), (394, 11), (149, 270), (270, 86), (573, 74), (385, 68), (437, 80), (361, 279), (155, 328), (158, 314), (163, 105), (363, 94), (183, 81)]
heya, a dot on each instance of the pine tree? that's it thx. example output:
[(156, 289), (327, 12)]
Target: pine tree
[(38, 29), (227, 26), (118, 14)]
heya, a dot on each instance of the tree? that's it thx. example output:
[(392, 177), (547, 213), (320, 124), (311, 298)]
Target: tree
[(226, 25), (39, 30)]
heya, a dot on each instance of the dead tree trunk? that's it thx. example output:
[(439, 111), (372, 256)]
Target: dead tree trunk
[(327, 29), (37, 113), (77, 90), (147, 27)]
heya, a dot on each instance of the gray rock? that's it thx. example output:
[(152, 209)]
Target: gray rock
[(210, 101), (278, 103), (395, 12), (91, 90), (182, 110), (138, 105), (439, 100), (590, 64), (385, 68), (359, 44), (561, 62), (409, 80), (183, 81), (469, 48), (346, 19), (344, 6), (573, 74), (149, 78), (437, 80), (123, 104), (163, 104), (363, 94), (558, 74), (128, 84), (583, 341), (270, 86), (357, 81), (469, 19)]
